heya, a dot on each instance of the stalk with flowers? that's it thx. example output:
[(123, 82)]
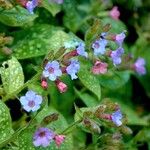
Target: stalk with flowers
[(59, 82)]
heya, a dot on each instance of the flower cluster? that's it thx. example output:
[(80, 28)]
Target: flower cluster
[(53, 70), (44, 136)]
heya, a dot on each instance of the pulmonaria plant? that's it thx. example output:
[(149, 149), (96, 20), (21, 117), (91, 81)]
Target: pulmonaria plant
[(31, 101)]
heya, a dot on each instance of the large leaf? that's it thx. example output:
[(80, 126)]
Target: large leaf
[(12, 75), (51, 6), (114, 80), (89, 80), (38, 40), (17, 16), (5, 123)]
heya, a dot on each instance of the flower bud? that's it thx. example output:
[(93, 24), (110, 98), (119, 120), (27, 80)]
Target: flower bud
[(50, 118), (44, 83), (59, 139), (114, 13), (62, 87)]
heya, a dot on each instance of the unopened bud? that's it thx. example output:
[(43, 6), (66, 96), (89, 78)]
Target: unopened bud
[(62, 87), (126, 130), (50, 118), (6, 50), (44, 83)]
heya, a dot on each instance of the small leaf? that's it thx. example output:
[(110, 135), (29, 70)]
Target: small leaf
[(17, 16), (52, 7), (12, 75), (5, 122), (93, 32)]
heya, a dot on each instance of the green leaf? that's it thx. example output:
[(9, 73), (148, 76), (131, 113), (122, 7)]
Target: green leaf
[(114, 80), (17, 16), (89, 80), (38, 41), (72, 19), (12, 75), (52, 7), (5, 122), (89, 100)]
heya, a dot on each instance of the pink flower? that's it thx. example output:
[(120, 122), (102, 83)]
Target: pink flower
[(114, 13), (99, 67), (59, 140), (62, 87), (44, 84)]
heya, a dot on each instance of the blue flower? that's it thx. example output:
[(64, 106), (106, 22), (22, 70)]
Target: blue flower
[(81, 50), (116, 118), (116, 56), (43, 137), (99, 46), (73, 68), (52, 70), (31, 5), (31, 101)]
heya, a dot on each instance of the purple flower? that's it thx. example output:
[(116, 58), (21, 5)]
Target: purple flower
[(43, 137), (139, 66), (120, 38), (31, 101), (31, 5), (73, 68), (116, 56), (99, 46), (52, 70), (116, 118), (81, 50)]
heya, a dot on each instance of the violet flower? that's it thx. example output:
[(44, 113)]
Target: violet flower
[(31, 101), (43, 137), (52, 70)]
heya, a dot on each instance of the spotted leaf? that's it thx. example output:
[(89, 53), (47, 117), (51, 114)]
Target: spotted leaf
[(12, 75)]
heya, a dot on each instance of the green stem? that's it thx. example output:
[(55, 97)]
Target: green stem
[(71, 126), (34, 78)]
